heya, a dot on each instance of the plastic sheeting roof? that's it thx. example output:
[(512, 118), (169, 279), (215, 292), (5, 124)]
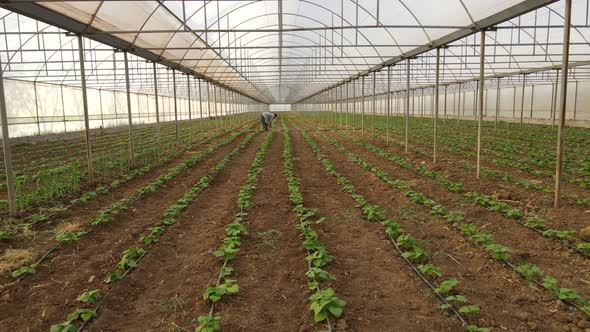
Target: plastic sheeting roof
[(284, 51)]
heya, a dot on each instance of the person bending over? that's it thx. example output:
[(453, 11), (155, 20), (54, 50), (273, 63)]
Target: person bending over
[(266, 118)]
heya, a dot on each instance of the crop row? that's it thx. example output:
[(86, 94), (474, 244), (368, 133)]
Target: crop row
[(472, 233), (531, 221), (108, 213), (87, 196), (406, 245), (47, 183), (324, 302), (131, 257), (499, 175), (230, 245)]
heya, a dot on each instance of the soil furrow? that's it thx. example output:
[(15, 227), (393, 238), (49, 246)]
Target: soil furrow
[(270, 266), (43, 237), (381, 292), (530, 247), (165, 290), (505, 300), (49, 294)]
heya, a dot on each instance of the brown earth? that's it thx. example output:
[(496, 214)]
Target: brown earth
[(271, 265), (165, 292), (49, 295), (381, 291), (505, 300)]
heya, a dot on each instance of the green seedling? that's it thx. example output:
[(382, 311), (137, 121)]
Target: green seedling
[(535, 222), (498, 251), (24, 271), (528, 271), (430, 270), (214, 294), (324, 303), (90, 297), (560, 235), (446, 286), (208, 324)]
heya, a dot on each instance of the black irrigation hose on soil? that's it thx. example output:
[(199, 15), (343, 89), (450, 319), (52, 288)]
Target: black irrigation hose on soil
[(244, 143), (428, 283)]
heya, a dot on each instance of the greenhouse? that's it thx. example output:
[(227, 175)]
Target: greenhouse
[(295, 165)]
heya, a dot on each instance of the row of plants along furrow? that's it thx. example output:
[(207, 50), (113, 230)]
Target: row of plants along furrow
[(406, 245), (505, 140), (91, 300), (230, 245), (52, 212), (512, 152), (55, 182), (531, 273), (107, 214), (525, 219), (102, 143), (457, 147), (496, 174), (324, 302), (50, 183)]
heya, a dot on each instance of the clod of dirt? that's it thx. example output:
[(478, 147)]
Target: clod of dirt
[(501, 194), (341, 325), (585, 234)]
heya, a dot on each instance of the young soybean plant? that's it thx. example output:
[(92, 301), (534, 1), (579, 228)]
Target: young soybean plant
[(230, 245)]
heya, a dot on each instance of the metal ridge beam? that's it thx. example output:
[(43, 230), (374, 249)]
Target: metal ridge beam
[(48, 16), (499, 17)]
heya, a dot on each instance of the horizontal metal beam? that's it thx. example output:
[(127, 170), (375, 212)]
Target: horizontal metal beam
[(488, 22), (43, 14)]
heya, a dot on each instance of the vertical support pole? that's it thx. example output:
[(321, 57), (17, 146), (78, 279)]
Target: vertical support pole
[(436, 90), (63, 106), (374, 106), (157, 108), (215, 103), (131, 153), (6, 148), (522, 101), (388, 102), (190, 114), (575, 101), (445, 107), (562, 101), (175, 109), (100, 105), (85, 105), (498, 94), (482, 50), (407, 115), (363, 106), (347, 101), (36, 109), (532, 100), (208, 106), (354, 106), (554, 103)]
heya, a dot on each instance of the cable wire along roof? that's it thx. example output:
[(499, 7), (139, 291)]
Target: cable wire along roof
[(285, 51)]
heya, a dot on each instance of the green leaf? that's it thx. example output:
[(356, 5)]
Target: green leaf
[(63, 327), (208, 324), (469, 309), (24, 271), (528, 271), (429, 270), (446, 286), (91, 296)]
